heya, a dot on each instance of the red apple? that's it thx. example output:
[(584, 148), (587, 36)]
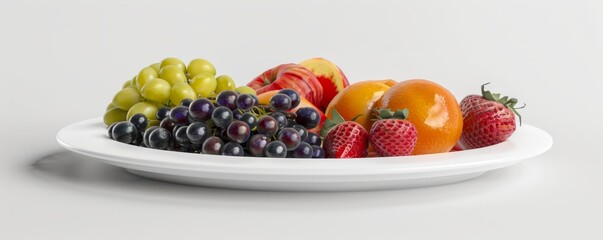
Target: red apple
[(264, 99), (290, 75), (330, 77)]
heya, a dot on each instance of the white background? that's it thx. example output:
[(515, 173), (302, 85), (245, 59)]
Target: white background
[(62, 61)]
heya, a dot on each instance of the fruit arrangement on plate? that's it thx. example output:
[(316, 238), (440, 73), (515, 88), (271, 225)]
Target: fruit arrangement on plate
[(305, 110)]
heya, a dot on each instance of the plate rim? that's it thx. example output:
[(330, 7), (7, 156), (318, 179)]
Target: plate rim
[(415, 165)]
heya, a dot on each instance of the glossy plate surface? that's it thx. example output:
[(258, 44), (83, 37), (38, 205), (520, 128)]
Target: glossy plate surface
[(89, 138)]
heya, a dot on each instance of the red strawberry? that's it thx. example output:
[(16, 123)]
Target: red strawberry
[(392, 135), (487, 119), (344, 139)]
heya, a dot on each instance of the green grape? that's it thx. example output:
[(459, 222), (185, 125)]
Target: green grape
[(146, 108), (181, 91), (225, 82), (114, 115), (156, 90), (133, 83), (204, 84), (199, 65), (153, 123), (144, 76), (125, 98), (127, 84), (173, 61), (110, 106), (246, 89), (158, 105), (156, 67), (172, 74)]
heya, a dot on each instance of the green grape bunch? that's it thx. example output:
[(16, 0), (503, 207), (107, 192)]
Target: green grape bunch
[(166, 84)]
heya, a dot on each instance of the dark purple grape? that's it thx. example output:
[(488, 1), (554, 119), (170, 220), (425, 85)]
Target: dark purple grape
[(290, 137), (291, 123), (275, 149), (304, 150), (280, 102), (222, 134), (222, 116), (280, 118), (196, 147), (245, 102), (179, 114), (159, 138), (233, 149), (255, 98), (238, 131), (186, 102), (138, 140), (191, 119), (124, 132), (197, 132), (236, 114), (318, 152), (293, 95), (140, 121), (180, 137), (201, 109), (227, 99), (303, 132), (174, 146), (256, 145), (176, 129), (168, 124), (162, 113), (250, 119), (212, 145), (313, 139), (307, 117), (110, 130), (267, 125), (145, 136)]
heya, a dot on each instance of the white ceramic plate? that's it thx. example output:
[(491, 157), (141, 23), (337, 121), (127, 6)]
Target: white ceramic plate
[(89, 138)]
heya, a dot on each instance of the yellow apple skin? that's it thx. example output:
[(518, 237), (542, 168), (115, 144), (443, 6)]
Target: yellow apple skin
[(330, 77)]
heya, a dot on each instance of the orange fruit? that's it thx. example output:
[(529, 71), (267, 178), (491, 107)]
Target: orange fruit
[(433, 110), (359, 99)]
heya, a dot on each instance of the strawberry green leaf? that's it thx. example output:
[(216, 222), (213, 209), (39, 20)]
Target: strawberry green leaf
[(388, 114), (486, 94), (524, 105), (326, 127), (401, 114), (337, 117), (385, 114), (506, 101), (503, 99)]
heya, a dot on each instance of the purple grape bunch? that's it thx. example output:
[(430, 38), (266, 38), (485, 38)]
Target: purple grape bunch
[(231, 124)]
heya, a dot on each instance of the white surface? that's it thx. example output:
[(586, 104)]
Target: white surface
[(546, 53), (89, 138)]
